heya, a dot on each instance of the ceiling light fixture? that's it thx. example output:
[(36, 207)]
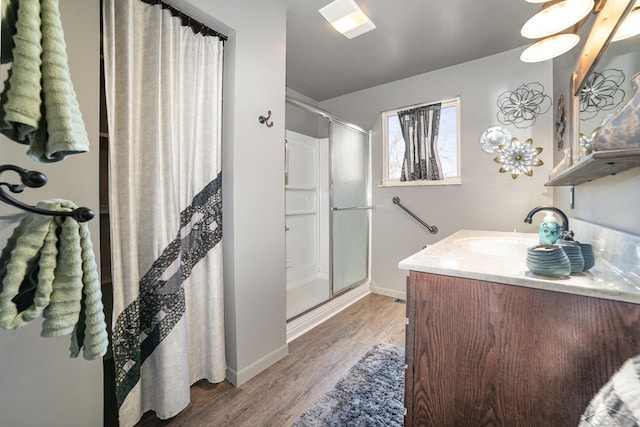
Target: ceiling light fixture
[(549, 47), (630, 26), (551, 25), (347, 18), (556, 16)]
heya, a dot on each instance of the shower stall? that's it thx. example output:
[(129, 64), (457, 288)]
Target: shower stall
[(328, 207)]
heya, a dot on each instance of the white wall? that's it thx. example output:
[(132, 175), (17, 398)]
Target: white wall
[(611, 201), (486, 199), (40, 384), (253, 179)]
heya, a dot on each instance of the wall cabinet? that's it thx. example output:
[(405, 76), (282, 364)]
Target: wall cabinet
[(482, 353)]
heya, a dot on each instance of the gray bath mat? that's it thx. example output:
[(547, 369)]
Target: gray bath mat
[(371, 394)]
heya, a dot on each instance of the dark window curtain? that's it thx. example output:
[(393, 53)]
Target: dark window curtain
[(420, 132)]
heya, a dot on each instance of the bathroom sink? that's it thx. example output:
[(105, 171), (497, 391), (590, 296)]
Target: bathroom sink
[(500, 257), (496, 246)]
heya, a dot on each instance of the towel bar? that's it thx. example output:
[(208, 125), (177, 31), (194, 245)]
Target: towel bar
[(35, 179)]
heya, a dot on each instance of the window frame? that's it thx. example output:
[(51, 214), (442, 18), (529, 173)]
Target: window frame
[(395, 182)]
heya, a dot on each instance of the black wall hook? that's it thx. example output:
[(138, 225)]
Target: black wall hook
[(35, 179), (265, 120)]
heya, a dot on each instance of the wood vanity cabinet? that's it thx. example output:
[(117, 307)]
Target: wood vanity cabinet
[(488, 354)]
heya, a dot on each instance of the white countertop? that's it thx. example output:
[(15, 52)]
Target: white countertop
[(501, 257)]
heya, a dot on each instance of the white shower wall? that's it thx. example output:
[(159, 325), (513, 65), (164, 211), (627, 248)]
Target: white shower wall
[(307, 221)]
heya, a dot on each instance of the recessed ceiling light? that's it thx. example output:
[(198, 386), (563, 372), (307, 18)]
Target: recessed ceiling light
[(347, 18)]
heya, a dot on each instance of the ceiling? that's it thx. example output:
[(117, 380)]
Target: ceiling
[(412, 37)]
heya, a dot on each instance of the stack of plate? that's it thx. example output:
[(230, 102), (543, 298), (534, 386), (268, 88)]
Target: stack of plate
[(587, 255), (548, 260), (574, 253)]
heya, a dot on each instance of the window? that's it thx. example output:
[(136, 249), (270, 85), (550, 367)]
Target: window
[(444, 156)]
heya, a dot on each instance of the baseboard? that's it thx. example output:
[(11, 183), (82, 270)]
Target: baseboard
[(305, 323), (238, 378), (388, 292)]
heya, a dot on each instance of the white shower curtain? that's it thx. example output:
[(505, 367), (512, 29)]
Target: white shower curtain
[(163, 90)]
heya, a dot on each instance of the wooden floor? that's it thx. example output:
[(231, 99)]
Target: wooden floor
[(316, 360)]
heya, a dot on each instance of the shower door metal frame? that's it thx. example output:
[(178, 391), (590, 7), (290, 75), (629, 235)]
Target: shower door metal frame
[(333, 208), (331, 119)]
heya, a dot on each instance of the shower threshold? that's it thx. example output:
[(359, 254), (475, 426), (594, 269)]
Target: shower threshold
[(314, 316), (306, 292)]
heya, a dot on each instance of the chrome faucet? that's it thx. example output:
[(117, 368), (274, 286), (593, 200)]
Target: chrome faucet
[(565, 221)]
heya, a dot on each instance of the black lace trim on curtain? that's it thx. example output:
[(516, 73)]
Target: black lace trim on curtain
[(147, 321), (187, 21)]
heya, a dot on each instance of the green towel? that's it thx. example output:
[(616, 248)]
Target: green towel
[(57, 254), (90, 332), (33, 243), (38, 106), (7, 29), (21, 98)]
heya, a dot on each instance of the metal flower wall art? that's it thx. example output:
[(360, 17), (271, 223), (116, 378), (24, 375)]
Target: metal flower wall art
[(494, 137), (517, 157), (601, 92), (522, 106)]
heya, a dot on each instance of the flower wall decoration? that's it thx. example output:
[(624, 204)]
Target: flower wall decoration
[(522, 106), (601, 92), (493, 137), (517, 157)]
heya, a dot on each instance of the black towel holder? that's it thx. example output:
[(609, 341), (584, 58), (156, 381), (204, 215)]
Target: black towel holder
[(35, 179)]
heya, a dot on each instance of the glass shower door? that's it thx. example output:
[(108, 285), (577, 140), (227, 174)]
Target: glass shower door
[(350, 212)]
